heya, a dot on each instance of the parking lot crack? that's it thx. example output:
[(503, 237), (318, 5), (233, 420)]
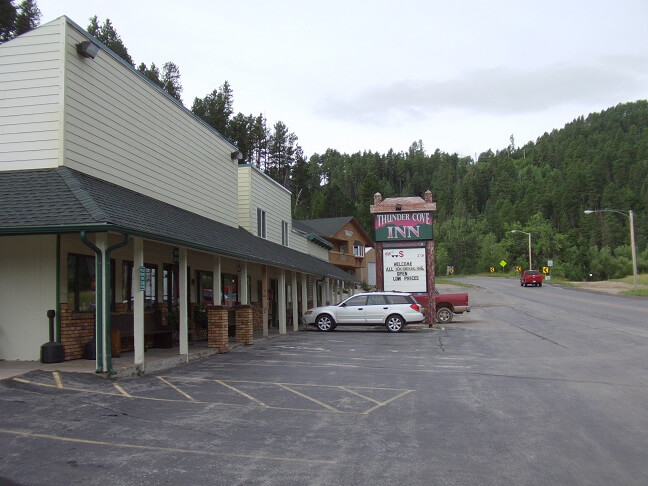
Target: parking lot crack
[(440, 340)]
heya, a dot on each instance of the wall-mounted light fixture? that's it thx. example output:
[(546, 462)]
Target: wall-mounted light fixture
[(237, 155), (87, 49)]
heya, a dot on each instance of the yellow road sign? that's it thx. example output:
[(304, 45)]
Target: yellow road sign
[(518, 268), (492, 269), (545, 270)]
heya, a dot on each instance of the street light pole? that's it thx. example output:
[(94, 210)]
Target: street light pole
[(633, 248), (518, 231)]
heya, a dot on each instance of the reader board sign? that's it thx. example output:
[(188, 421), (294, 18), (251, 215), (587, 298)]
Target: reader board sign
[(403, 226), (404, 269)]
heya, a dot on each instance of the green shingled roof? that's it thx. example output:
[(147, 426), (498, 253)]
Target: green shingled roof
[(326, 227), (62, 200)]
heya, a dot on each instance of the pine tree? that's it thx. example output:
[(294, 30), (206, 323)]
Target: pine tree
[(171, 80), (28, 17), (107, 34), (216, 108), (8, 15), (15, 21)]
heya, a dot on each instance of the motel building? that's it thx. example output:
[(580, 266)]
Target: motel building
[(131, 218)]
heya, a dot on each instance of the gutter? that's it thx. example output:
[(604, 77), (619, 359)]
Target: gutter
[(102, 313), (318, 240), (106, 319)]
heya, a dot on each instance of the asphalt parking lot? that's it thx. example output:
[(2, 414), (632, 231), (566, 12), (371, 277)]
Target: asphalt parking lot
[(515, 392), (283, 411)]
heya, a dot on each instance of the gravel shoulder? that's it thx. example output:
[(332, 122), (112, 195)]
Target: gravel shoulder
[(606, 287)]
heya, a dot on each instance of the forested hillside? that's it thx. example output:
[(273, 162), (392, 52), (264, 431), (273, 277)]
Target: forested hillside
[(542, 188), (597, 162)]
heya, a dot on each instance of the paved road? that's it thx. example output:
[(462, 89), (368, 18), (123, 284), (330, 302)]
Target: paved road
[(535, 386)]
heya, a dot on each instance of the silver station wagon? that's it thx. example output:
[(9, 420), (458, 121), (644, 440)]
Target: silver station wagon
[(393, 309)]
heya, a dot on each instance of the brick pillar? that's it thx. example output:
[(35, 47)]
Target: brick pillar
[(217, 328), (244, 324), (77, 328)]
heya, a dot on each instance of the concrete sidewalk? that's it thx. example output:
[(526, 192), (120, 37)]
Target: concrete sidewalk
[(155, 359)]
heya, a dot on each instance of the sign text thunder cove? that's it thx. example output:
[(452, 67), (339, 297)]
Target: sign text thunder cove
[(403, 226)]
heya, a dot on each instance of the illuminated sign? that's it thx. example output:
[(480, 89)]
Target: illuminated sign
[(404, 269), (403, 226)]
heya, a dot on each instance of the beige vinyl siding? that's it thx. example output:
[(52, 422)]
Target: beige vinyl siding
[(120, 128), (274, 199), (244, 198), (27, 292), (317, 251), (31, 75), (298, 242)]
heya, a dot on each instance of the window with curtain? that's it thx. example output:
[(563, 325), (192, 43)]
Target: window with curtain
[(261, 223), (82, 288), (284, 233)]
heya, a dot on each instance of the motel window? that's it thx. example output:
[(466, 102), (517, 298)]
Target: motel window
[(82, 292), (230, 289), (261, 223), (205, 287), (358, 249), (150, 289), (284, 233)]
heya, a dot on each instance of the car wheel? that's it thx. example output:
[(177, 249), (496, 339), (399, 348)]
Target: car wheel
[(395, 323), (521, 284), (443, 315), (540, 284), (325, 323)]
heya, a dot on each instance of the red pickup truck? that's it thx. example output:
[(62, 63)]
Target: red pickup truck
[(447, 305), (531, 277)]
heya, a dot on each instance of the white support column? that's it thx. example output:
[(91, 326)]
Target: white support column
[(295, 310), (184, 305), (342, 295), (243, 287), (327, 293), (304, 294), (314, 290), (216, 281), (282, 301), (138, 301), (101, 242)]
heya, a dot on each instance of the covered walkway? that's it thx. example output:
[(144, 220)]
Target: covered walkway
[(157, 359)]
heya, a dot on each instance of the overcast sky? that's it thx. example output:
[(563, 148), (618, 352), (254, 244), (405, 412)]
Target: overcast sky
[(462, 76)]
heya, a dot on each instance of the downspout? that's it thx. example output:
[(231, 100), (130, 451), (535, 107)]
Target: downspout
[(98, 304), (106, 319)]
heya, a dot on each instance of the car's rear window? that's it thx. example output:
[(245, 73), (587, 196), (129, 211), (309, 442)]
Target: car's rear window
[(398, 299), (531, 272)]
